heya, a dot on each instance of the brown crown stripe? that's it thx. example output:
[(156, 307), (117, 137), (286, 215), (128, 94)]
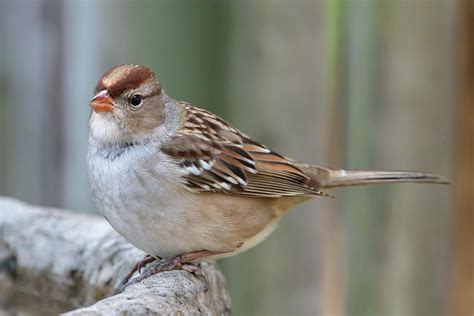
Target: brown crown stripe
[(124, 77)]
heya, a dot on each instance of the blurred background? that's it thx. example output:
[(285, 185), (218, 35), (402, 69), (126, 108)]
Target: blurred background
[(354, 84)]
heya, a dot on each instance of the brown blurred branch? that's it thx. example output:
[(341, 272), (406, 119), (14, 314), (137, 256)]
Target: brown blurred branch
[(52, 261), (463, 224)]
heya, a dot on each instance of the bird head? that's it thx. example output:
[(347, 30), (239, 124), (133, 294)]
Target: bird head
[(128, 104)]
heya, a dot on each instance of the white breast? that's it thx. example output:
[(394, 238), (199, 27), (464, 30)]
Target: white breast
[(134, 200)]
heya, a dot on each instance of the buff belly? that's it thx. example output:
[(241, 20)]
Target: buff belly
[(169, 228)]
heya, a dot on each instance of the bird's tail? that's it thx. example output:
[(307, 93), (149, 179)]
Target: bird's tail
[(322, 177)]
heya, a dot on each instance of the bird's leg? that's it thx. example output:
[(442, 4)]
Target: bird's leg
[(168, 264), (137, 267)]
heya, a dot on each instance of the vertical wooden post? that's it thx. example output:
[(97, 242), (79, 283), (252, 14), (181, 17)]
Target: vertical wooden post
[(463, 223), (332, 241), (275, 95), (362, 218), (32, 100)]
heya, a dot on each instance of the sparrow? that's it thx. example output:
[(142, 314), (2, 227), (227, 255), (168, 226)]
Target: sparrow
[(185, 186)]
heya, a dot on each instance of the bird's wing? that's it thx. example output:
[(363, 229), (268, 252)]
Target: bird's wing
[(219, 158)]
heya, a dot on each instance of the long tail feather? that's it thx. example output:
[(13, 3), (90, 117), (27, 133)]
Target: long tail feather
[(329, 178)]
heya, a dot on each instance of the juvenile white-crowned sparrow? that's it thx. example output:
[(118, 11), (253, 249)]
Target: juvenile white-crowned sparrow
[(180, 183)]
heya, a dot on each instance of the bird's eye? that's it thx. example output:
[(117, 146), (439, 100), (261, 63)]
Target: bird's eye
[(136, 100)]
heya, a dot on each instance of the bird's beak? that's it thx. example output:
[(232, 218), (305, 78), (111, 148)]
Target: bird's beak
[(102, 102)]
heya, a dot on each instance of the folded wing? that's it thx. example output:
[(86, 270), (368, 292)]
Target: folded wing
[(219, 158)]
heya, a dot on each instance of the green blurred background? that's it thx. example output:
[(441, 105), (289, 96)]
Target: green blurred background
[(355, 84)]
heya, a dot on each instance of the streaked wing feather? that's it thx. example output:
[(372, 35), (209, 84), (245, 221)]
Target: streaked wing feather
[(219, 158)]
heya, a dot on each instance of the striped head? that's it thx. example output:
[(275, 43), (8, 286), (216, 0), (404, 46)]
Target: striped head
[(128, 102)]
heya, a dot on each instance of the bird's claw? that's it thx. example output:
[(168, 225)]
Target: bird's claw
[(163, 265)]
